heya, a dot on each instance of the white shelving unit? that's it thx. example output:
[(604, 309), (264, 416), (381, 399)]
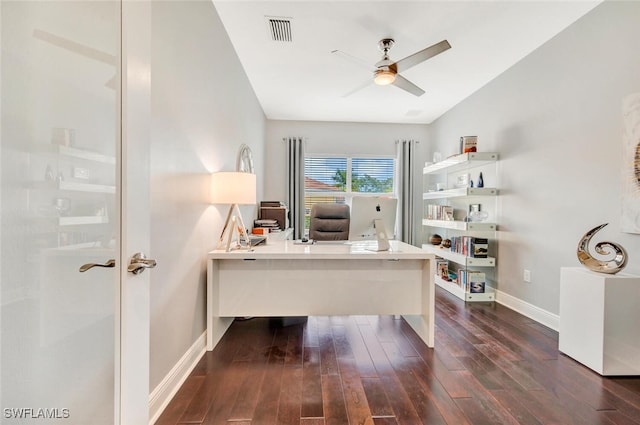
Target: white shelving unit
[(448, 184), (71, 196)]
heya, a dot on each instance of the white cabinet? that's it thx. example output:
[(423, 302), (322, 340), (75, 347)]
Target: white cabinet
[(460, 207), (599, 318)]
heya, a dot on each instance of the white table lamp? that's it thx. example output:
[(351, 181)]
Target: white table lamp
[(234, 188)]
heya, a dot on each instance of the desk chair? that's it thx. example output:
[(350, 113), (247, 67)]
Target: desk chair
[(329, 222)]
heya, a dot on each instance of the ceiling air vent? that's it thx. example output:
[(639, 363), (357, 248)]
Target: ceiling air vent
[(280, 29)]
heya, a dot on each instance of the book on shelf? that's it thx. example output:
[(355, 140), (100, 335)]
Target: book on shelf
[(479, 247), (470, 246), (442, 267), (439, 212), (471, 281), (476, 282), (476, 287), (468, 144)]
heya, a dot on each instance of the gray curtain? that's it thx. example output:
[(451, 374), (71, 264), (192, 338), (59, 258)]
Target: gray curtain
[(295, 169), (406, 150)]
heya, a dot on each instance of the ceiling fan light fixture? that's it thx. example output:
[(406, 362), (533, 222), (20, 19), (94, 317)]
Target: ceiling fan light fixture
[(384, 77)]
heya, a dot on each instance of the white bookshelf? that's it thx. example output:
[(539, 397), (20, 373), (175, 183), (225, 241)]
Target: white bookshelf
[(448, 184)]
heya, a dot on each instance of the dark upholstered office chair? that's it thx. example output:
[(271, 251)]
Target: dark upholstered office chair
[(329, 222)]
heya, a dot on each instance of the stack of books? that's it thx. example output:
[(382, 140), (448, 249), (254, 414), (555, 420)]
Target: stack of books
[(267, 225), (439, 212), (470, 246), (472, 281)]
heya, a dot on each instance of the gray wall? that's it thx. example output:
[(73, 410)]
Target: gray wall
[(556, 120), (202, 112)]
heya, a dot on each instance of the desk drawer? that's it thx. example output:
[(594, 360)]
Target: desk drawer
[(317, 287)]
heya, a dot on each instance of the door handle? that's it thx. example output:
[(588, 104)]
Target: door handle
[(139, 262), (85, 267)]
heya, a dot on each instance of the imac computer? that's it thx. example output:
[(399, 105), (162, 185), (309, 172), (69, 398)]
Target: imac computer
[(373, 217)]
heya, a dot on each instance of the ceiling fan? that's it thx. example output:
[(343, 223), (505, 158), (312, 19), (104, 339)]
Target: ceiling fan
[(387, 72)]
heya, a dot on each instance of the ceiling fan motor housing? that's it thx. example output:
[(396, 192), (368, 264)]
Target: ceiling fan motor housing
[(386, 44)]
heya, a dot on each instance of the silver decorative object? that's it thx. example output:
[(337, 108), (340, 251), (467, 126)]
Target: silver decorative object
[(244, 163), (611, 266)]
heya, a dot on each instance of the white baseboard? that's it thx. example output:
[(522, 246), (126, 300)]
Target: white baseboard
[(531, 311), (164, 392)]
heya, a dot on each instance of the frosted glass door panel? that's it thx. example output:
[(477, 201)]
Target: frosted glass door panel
[(59, 132)]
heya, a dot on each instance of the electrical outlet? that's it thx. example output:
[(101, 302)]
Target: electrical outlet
[(527, 276)]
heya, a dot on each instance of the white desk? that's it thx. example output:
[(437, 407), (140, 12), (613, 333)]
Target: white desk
[(285, 279)]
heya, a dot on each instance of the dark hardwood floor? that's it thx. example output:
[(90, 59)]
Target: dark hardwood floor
[(490, 365)]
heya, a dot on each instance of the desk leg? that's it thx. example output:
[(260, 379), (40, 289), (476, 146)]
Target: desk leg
[(216, 325), (424, 324)]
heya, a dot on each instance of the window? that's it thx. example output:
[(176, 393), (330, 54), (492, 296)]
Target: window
[(337, 179)]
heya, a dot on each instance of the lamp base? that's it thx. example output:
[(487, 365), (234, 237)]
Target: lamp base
[(232, 223)]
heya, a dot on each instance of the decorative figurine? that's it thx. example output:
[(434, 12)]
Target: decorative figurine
[(435, 239), (476, 213), (480, 180), (611, 266)]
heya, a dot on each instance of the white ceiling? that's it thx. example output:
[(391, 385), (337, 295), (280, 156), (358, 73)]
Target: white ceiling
[(303, 80)]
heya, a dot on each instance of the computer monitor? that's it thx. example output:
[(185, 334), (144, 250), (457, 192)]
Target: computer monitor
[(367, 209)]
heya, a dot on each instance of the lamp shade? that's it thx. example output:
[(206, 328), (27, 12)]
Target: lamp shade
[(233, 188)]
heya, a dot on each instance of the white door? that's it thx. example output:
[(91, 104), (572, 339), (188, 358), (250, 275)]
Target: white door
[(73, 350)]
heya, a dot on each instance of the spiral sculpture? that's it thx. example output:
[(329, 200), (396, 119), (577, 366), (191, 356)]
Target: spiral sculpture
[(610, 266)]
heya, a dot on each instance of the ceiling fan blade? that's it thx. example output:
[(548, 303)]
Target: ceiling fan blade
[(75, 47), (362, 63), (421, 56), (407, 85), (358, 88)]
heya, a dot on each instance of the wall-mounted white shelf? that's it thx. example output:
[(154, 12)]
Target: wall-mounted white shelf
[(75, 153), (74, 221), (461, 162), (86, 187), (73, 186), (88, 155), (461, 225), (459, 258), (489, 293), (459, 192)]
